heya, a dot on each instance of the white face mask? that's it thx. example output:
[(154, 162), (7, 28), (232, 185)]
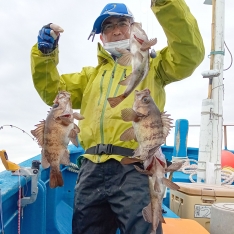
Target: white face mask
[(110, 46)]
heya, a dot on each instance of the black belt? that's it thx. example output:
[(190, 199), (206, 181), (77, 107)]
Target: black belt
[(109, 149)]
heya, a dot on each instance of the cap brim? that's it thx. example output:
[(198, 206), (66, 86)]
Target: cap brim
[(97, 27)]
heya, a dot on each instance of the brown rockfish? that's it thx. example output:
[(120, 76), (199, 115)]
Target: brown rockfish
[(156, 168), (54, 134), (150, 126), (138, 56)]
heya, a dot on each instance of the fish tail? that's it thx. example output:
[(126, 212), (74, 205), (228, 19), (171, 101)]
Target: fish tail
[(114, 101), (56, 178)]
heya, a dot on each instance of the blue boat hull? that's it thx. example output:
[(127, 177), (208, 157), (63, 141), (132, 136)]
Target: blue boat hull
[(51, 213)]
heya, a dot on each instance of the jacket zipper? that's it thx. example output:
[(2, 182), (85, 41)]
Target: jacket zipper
[(101, 83), (104, 107), (123, 76)]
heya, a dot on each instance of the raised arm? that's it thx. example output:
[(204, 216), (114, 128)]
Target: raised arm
[(48, 82), (185, 50)]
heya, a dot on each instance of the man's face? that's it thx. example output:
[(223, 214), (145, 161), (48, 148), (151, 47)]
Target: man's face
[(115, 29)]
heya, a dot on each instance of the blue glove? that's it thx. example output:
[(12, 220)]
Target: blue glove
[(48, 38)]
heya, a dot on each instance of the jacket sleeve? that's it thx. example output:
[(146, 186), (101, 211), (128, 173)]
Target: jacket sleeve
[(48, 82), (185, 50)]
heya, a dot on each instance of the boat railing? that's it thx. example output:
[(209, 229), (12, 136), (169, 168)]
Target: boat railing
[(225, 133)]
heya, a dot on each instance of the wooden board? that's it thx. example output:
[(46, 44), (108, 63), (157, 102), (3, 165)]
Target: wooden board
[(182, 226)]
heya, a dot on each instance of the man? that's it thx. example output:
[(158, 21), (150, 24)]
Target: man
[(109, 195)]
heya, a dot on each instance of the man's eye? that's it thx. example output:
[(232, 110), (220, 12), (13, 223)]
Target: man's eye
[(108, 26), (123, 24)]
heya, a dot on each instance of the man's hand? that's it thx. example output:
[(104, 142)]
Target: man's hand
[(48, 38)]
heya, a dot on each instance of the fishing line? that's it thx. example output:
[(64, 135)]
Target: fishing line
[(230, 55), (24, 193), (58, 84), (19, 206), (1, 210)]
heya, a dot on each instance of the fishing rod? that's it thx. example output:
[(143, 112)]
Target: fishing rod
[(12, 126)]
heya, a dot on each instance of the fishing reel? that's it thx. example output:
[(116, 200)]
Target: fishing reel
[(28, 172)]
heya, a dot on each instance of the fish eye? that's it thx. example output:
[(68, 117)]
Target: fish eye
[(145, 99), (55, 105)]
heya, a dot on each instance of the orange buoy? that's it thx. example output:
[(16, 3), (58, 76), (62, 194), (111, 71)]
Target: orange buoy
[(227, 159)]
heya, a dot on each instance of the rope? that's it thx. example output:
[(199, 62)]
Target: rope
[(73, 168), (227, 174)]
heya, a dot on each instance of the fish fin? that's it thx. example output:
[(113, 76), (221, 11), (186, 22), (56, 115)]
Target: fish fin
[(44, 162), (146, 45), (145, 172), (114, 101), (126, 81), (78, 116), (166, 121), (127, 160), (142, 111), (126, 58), (38, 133), (65, 160), (157, 185), (147, 213), (129, 114), (73, 135), (161, 218), (174, 166), (56, 178), (170, 184), (128, 135)]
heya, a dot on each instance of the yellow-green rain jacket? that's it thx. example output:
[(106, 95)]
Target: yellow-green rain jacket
[(93, 85)]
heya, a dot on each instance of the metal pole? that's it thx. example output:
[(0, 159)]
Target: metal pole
[(210, 144), (217, 89)]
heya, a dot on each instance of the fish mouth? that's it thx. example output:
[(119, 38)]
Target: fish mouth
[(138, 39), (66, 116)]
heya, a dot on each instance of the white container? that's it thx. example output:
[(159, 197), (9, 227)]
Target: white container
[(222, 218), (194, 201)]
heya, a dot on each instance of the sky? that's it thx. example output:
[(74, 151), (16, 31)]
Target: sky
[(21, 106)]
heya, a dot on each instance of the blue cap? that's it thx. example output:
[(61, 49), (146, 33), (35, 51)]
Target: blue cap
[(111, 9)]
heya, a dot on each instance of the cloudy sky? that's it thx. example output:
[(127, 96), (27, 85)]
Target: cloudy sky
[(20, 104)]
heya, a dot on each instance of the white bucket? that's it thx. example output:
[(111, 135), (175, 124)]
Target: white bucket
[(222, 218)]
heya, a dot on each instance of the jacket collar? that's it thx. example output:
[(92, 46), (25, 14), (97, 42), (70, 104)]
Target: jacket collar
[(103, 55)]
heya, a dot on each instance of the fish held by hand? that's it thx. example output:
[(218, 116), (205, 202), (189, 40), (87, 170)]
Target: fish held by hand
[(54, 134), (138, 57)]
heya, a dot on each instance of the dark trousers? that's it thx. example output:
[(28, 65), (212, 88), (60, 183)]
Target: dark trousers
[(110, 196)]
